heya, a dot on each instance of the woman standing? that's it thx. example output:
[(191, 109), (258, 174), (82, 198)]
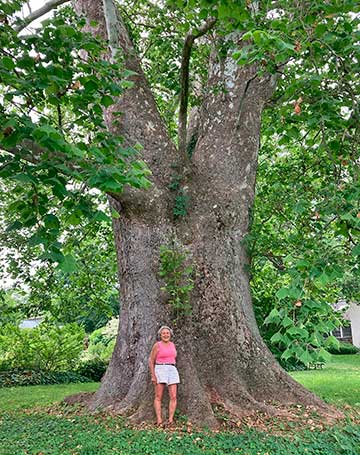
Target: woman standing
[(162, 364)]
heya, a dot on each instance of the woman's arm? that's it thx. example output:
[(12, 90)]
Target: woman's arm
[(152, 359)]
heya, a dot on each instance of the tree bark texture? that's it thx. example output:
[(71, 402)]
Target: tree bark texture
[(222, 359)]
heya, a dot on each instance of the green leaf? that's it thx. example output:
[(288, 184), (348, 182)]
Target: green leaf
[(323, 280), (115, 214), (276, 338), (8, 63), (286, 322), (51, 221), (282, 293), (14, 226), (274, 316), (306, 357), (331, 341), (91, 85), (74, 219), (101, 216), (302, 264), (303, 333), (107, 101), (67, 31), (68, 264), (26, 178), (321, 29), (287, 354), (324, 355)]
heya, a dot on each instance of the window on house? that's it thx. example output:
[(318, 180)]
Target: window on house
[(346, 332)]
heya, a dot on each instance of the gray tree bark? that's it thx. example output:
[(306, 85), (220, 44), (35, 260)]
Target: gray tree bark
[(221, 357)]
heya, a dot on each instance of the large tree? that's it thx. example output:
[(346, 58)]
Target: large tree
[(198, 208)]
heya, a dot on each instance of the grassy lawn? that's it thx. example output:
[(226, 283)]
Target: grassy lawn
[(40, 395), (28, 426), (338, 382)]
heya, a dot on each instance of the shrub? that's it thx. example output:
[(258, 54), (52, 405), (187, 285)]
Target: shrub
[(93, 369), (44, 348), (16, 377), (343, 348), (102, 342), (292, 364)]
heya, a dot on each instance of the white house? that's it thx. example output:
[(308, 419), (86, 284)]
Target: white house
[(350, 333), (30, 323), (352, 314)]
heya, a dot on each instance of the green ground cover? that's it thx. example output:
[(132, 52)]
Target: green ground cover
[(29, 426), (54, 435)]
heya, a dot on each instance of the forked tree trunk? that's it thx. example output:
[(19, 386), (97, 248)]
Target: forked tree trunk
[(221, 357)]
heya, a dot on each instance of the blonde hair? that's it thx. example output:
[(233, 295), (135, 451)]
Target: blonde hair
[(163, 327)]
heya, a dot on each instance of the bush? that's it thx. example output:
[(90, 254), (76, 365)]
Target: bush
[(93, 369), (44, 348), (343, 348), (102, 342), (14, 378), (292, 364)]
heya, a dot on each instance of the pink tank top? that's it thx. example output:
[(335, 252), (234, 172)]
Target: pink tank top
[(166, 353)]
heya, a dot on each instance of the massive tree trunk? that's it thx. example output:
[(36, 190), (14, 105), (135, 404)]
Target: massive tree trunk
[(221, 357)]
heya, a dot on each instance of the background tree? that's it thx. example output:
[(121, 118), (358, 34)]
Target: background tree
[(86, 293), (201, 199)]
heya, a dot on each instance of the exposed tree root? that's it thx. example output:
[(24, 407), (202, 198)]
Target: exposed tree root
[(281, 419), (219, 412)]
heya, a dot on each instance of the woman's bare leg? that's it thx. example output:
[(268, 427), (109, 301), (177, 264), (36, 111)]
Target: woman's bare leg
[(159, 390), (172, 401)]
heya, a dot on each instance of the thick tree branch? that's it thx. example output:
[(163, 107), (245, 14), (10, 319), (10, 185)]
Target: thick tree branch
[(111, 21), (38, 13), (140, 119), (184, 79)]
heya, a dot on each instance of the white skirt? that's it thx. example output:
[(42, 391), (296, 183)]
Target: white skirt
[(167, 374)]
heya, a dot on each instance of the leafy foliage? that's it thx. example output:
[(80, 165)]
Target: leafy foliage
[(55, 87), (177, 275), (181, 198), (344, 348), (18, 377), (93, 369), (45, 348), (86, 434), (305, 231), (10, 307), (87, 295), (102, 341)]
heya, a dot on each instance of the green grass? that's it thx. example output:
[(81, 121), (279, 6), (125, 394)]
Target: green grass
[(29, 427), (337, 383), (40, 395)]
